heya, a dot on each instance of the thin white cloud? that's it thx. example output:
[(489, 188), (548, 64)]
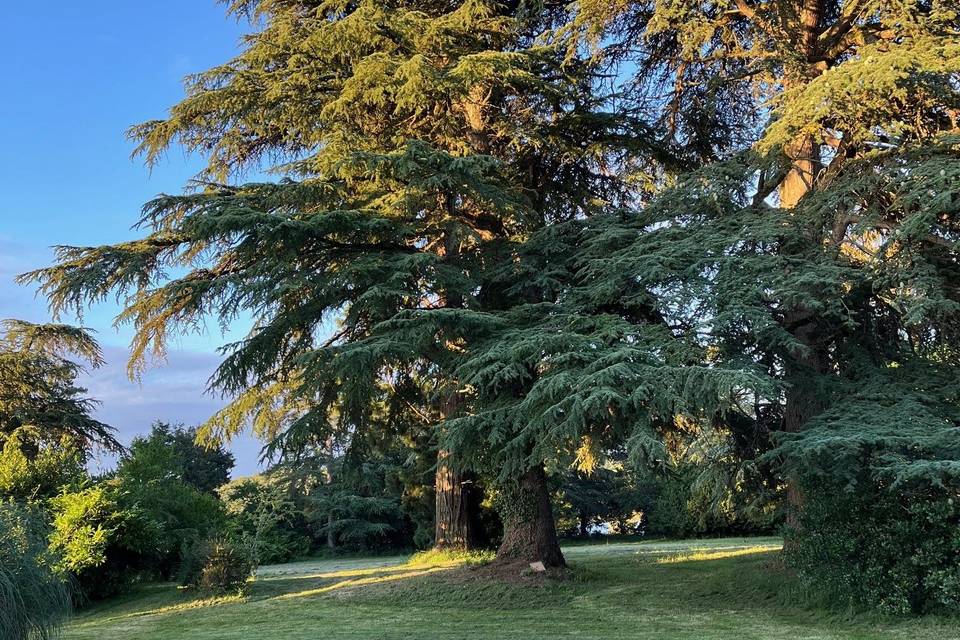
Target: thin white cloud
[(173, 392)]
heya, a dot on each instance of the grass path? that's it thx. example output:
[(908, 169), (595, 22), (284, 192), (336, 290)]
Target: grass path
[(697, 590)]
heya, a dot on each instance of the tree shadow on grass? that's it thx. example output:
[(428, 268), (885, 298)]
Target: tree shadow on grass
[(327, 583), (166, 598)]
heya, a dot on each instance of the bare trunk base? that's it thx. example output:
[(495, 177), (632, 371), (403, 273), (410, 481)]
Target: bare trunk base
[(331, 536), (805, 399), (452, 524), (529, 532)]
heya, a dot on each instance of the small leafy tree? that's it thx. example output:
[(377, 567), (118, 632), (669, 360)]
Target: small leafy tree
[(172, 452), (361, 505), (137, 524), (99, 546), (177, 513), (34, 469), (266, 512)]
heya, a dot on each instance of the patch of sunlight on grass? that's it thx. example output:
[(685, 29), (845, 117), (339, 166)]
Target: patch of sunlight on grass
[(333, 575), (197, 603), (320, 566), (658, 547), (431, 559), (419, 564), (696, 555), (359, 582), (438, 558)]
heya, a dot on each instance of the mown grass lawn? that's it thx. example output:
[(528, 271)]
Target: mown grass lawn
[(699, 589)]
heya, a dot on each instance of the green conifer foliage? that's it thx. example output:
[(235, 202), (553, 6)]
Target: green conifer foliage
[(814, 253), (40, 401), (419, 144)]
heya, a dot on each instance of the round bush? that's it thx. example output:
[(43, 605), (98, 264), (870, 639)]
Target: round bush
[(217, 566)]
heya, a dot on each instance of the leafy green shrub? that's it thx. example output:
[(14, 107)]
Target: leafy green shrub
[(33, 598), (698, 500), (32, 469), (262, 511), (171, 452), (217, 566), (896, 551), (177, 513), (101, 545), (122, 530), (670, 513)]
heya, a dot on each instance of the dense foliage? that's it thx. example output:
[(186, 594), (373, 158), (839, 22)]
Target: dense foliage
[(813, 254), (31, 469), (515, 240), (38, 384), (267, 513), (132, 526), (422, 141), (33, 598), (897, 552), (217, 566), (169, 452)]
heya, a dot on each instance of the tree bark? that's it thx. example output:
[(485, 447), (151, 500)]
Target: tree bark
[(331, 535), (803, 400), (529, 531), (805, 164), (452, 520)]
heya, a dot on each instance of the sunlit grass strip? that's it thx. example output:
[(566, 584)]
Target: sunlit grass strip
[(697, 555), (423, 560), (342, 573), (197, 603), (440, 558), (359, 582)]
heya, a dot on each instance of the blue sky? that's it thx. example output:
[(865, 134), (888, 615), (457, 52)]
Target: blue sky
[(75, 76)]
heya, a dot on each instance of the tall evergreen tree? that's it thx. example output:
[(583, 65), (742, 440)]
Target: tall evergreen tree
[(815, 251), (420, 143), (793, 289)]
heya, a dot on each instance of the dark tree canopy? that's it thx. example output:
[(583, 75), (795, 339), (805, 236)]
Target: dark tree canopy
[(39, 368), (171, 452), (814, 253)]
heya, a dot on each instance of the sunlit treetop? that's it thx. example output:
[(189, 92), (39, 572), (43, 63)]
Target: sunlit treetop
[(722, 74)]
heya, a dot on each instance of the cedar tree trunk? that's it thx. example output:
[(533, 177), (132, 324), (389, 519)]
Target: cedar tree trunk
[(529, 532), (452, 530)]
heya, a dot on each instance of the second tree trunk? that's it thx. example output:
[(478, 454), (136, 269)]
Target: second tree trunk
[(452, 526)]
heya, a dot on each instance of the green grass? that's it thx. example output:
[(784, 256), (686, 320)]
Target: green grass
[(705, 589)]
